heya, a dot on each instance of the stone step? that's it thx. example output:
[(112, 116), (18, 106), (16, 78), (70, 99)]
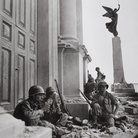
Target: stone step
[(10, 127), (125, 90), (36, 132), (125, 94), (128, 99)]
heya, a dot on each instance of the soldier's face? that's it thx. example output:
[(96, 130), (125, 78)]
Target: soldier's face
[(102, 89), (39, 97)]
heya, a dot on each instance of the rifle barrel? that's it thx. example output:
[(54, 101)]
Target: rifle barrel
[(85, 97), (61, 99)]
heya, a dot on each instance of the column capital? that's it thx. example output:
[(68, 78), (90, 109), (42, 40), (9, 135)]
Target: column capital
[(87, 57)]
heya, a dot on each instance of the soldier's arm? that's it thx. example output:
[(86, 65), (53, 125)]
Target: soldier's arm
[(57, 102), (115, 102), (94, 99), (30, 113)]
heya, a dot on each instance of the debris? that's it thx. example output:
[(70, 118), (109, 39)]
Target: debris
[(131, 110), (111, 130), (85, 122)]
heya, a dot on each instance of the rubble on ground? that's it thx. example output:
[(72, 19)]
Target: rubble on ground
[(127, 129), (36, 132)]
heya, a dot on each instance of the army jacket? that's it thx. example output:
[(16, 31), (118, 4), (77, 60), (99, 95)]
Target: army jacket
[(53, 104), (107, 102), (28, 111)]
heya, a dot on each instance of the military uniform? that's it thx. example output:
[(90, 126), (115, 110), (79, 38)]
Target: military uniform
[(29, 112), (103, 107), (53, 111), (89, 88)]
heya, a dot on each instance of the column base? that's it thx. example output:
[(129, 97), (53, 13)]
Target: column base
[(122, 87)]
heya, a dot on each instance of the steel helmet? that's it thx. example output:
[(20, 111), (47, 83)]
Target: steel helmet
[(103, 83), (50, 90), (36, 89)]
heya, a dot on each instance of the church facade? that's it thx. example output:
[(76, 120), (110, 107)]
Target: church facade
[(40, 41)]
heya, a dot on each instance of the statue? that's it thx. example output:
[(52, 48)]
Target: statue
[(100, 76), (112, 14)]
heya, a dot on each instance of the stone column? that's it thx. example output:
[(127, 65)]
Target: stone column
[(86, 60), (117, 60), (61, 48), (79, 21), (47, 42), (68, 24)]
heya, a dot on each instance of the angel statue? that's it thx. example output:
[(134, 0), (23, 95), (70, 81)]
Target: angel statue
[(112, 14)]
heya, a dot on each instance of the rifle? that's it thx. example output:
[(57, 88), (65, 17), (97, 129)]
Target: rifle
[(61, 99), (87, 100)]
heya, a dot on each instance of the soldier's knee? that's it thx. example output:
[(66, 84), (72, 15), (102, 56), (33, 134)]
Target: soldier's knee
[(96, 106), (111, 121), (97, 109)]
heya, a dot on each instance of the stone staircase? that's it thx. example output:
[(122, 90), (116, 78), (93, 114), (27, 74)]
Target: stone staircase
[(126, 94), (129, 98)]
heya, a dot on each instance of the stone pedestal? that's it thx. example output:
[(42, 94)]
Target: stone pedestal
[(117, 60), (120, 85), (80, 110)]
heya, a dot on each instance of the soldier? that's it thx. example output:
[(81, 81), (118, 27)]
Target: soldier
[(30, 112), (53, 111), (90, 87), (100, 76), (104, 105)]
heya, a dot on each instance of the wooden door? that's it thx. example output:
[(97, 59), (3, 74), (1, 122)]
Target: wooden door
[(18, 50)]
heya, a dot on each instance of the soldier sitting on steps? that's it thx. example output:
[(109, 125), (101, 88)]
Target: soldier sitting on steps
[(53, 112)]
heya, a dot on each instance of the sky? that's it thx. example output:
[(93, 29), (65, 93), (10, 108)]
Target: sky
[(98, 40)]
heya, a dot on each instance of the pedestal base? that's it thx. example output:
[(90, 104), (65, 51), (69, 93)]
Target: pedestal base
[(77, 107), (78, 110), (122, 87)]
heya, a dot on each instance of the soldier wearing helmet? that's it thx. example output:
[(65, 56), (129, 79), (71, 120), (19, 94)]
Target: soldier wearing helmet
[(30, 112), (105, 105), (53, 113), (90, 87)]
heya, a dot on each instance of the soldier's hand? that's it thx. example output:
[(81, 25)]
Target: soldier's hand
[(46, 107), (59, 113), (41, 113), (112, 115)]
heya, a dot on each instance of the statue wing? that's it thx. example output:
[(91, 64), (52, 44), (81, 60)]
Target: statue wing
[(109, 12), (107, 9)]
